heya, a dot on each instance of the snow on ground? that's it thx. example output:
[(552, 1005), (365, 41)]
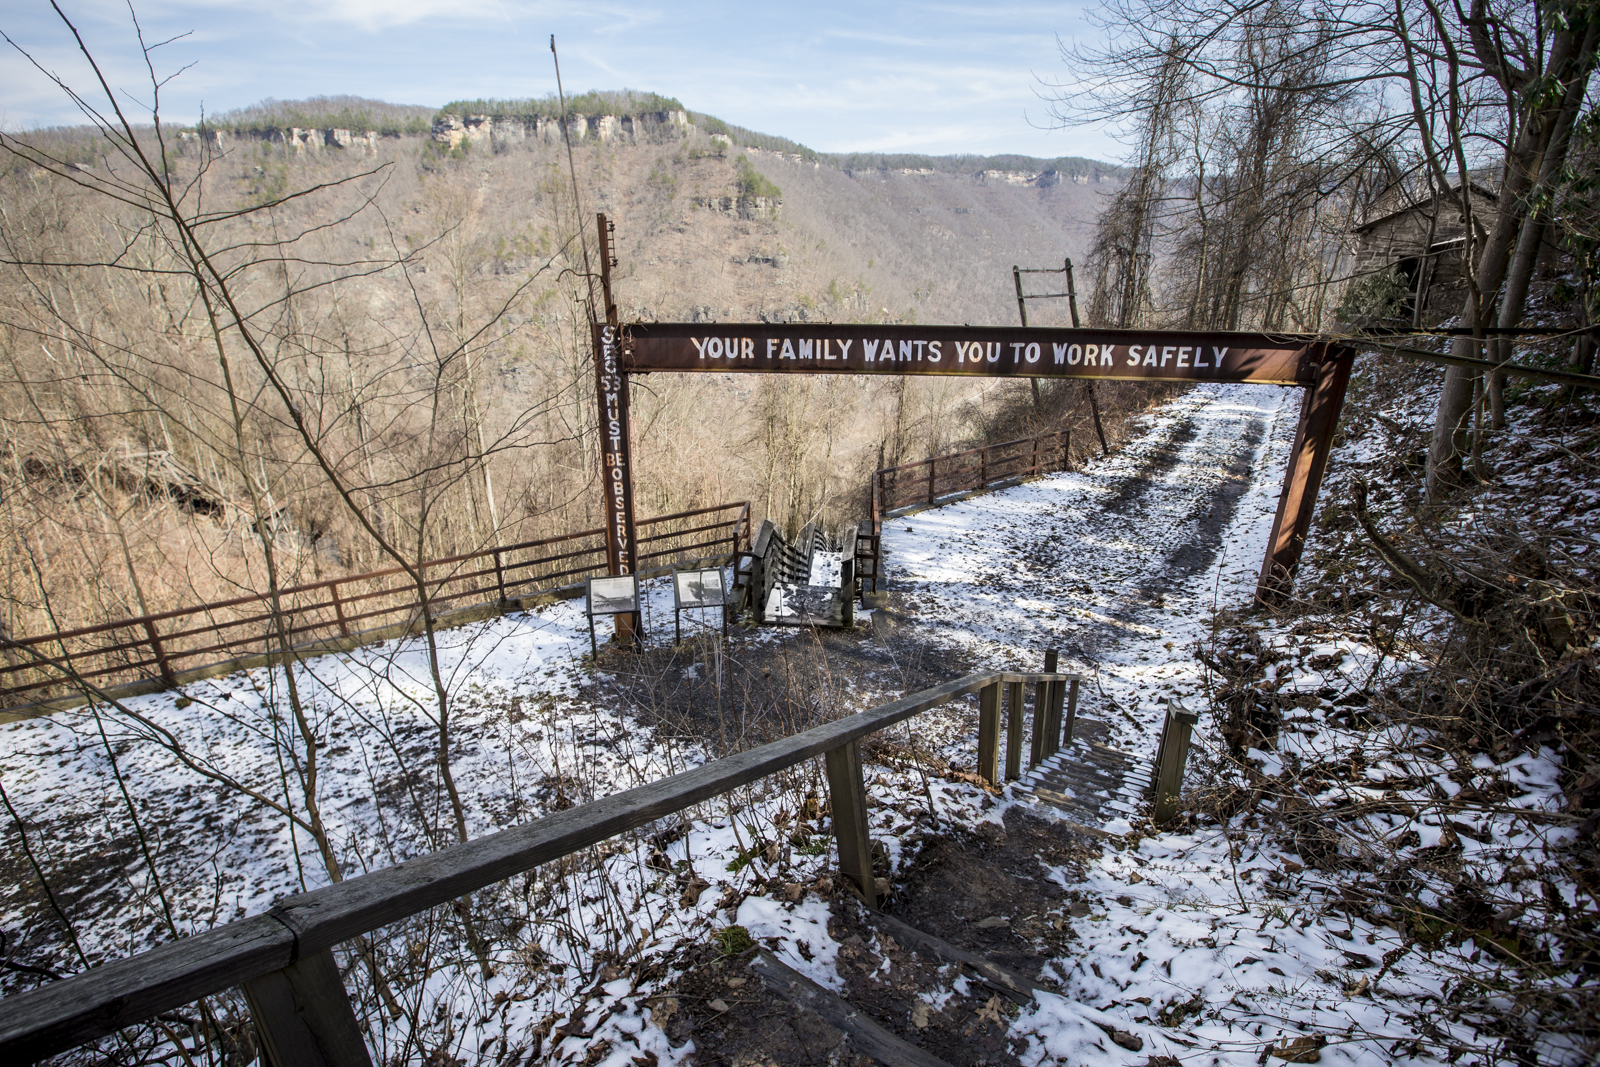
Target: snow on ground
[(1205, 945), (1118, 565)]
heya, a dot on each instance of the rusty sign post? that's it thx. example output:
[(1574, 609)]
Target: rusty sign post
[(616, 459)]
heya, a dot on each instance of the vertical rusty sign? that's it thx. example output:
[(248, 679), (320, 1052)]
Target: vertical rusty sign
[(616, 460)]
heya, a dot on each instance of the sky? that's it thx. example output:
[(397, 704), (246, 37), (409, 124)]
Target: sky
[(935, 78)]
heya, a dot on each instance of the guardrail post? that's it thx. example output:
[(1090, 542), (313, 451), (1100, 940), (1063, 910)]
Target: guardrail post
[(303, 1015), (1051, 741), (1171, 756), (847, 796), (338, 608), (983, 466), (933, 465), (161, 654), (1072, 712), (989, 733), (1041, 702), (499, 578), (1014, 730)]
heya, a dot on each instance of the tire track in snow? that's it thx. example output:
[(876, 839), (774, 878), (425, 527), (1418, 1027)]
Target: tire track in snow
[(1116, 564)]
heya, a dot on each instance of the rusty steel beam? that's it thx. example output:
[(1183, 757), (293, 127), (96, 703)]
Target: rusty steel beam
[(1308, 461), (979, 351)]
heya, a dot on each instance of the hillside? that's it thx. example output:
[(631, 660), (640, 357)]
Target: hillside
[(385, 260)]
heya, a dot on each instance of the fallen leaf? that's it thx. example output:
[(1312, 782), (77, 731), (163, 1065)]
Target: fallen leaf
[(1131, 1042), (1079, 909), (1134, 879), (1126, 902), (1292, 867), (1358, 961), (692, 891), (919, 1014), (1306, 1049), (718, 1005)]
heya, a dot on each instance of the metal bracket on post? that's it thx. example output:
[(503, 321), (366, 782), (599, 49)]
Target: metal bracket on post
[(303, 1015), (989, 733), (1171, 757), (847, 796)]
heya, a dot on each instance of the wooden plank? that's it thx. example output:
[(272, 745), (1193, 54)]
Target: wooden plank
[(1014, 719), (989, 733), (1072, 711), (58, 1016), (1012, 984), (802, 993), (302, 1014), (847, 797)]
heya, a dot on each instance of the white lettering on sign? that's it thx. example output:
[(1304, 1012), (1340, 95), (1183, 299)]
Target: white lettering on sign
[(1217, 354), (1183, 356), (1032, 354), (788, 350), (934, 355), (1134, 353)]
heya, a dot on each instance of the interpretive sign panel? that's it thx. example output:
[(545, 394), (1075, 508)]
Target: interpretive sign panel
[(614, 596), (699, 589), (980, 351)]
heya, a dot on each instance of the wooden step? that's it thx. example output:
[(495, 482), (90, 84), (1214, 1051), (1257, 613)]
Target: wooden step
[(1010, 983), (801, 992)]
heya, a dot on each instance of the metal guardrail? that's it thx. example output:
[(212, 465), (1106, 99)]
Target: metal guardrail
[(152, 652), (925, 481), (283, 958)]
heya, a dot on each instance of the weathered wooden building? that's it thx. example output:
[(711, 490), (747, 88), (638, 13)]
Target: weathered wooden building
[(1427, 242)]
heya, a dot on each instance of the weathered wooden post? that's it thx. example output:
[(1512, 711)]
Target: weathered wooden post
[(983, 466), (932, 466), (303, 1015), (989, 733), (1171, 756), (1052, 707), (1041, 702), (847, 796), (500, 578), (1014, 730), (1072, 711)]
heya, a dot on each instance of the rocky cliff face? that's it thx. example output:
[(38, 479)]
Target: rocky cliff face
[(301, 140), (454, 130)]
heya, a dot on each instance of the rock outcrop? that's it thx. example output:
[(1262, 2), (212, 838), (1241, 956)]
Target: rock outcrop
[(295, 137), (455, 130), (740, 207)]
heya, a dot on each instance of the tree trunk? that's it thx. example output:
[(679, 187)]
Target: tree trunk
[(1455, 399)]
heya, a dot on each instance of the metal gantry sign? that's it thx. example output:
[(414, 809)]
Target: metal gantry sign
[(1320, 367)]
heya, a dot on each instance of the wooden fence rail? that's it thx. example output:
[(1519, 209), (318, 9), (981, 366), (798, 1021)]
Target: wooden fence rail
[(157, 651), (925, 481), (283, 957)]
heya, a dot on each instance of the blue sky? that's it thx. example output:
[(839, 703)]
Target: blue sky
[(838, 76)]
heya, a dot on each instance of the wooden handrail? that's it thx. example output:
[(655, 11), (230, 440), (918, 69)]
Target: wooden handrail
[(97, 1002)]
